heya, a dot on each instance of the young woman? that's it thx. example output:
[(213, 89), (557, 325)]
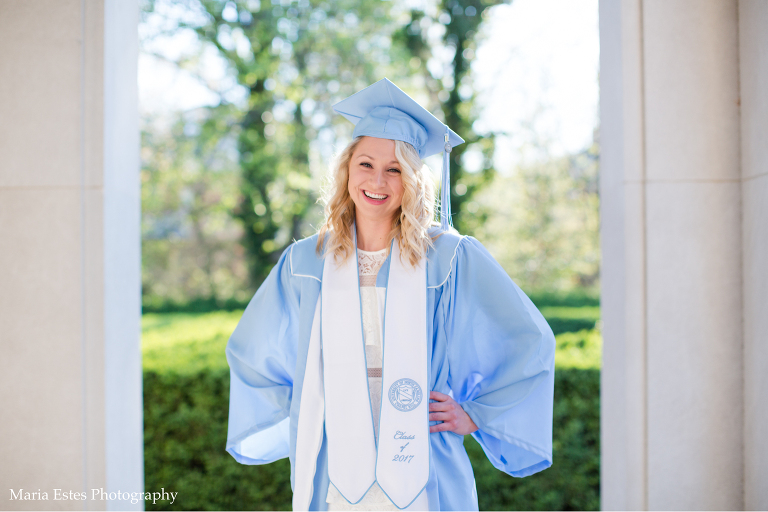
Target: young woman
[(375, 345)]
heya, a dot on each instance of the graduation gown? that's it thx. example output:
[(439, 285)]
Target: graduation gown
[(490, 348)]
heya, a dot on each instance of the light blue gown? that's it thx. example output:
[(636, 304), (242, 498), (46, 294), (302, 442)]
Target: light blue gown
[(490, 349)]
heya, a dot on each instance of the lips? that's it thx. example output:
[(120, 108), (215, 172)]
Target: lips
[(372, 198), (375, 197)]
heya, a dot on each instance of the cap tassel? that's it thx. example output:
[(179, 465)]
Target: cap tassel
[(445, 192)]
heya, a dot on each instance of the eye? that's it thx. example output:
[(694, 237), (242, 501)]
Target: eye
[(395, 170), (366, 164)]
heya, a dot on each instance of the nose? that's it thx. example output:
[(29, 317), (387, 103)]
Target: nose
[(378, 178)]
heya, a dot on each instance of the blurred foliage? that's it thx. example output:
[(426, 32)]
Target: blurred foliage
[(290, 56), (573, 480), (226, 188), (586, 313), (455, 26), (155, 304), (579, 350), (295, 59), (574, 298), (542, 223), (291, 61), (568, 319), (186, 400), (571, 299), (185, 431), (190, 243), (186, 343)]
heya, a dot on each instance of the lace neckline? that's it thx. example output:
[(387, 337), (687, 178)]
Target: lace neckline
[(369, 262)]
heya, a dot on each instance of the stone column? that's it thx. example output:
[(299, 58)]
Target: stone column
[(685, 245), (622, 197), (70, 371), (753, 61)]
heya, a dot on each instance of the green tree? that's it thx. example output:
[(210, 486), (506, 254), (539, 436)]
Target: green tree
[(190, 243), (450, 87), (295, 60)]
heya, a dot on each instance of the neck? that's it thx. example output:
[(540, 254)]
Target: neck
[(372, 234)]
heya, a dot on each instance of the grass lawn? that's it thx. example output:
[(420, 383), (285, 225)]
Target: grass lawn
[(188, 343)]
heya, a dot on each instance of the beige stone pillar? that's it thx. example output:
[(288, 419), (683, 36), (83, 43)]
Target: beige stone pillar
[(623, 376), (753, 61), (70, 371), (684, 91)]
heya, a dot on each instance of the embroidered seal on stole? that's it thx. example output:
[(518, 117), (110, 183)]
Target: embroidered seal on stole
[(405, 395)]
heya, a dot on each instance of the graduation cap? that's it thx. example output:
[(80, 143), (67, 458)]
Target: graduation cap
[(384, 111)]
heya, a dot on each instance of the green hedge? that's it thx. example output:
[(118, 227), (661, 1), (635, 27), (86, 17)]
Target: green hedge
[(575, 298), (185, 431), (186, 398), (568, 319), (573, 480), (153, 304)]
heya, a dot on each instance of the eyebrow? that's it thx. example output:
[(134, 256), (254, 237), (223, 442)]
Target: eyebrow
[(368, 156)]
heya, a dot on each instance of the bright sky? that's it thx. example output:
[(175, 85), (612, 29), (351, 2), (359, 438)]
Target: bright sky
[(536, 73), (538, 66)]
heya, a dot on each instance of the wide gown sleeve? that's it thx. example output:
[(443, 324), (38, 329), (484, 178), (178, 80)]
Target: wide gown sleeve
[(501, 354), (262, 357)]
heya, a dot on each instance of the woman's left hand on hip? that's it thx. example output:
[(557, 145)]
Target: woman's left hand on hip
[(454, 418)]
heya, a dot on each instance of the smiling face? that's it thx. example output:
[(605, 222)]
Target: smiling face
[(375, 184)]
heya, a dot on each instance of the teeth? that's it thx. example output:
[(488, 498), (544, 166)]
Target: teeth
[(374, 196)]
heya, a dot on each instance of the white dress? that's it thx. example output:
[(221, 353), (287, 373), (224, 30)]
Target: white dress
[(372, 300)]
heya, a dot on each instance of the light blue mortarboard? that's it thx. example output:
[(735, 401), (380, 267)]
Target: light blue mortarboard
[(383, 110)]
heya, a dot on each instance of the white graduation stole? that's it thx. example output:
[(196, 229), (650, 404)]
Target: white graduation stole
[(401, 462)]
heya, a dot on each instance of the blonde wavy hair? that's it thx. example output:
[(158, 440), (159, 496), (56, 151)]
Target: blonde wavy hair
[(411, 222)]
